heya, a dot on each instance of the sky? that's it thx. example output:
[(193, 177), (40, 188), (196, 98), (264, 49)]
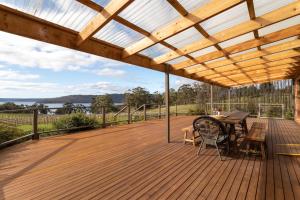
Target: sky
[(33, 69)]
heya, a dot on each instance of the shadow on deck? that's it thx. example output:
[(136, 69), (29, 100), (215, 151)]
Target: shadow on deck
[(135, 162)]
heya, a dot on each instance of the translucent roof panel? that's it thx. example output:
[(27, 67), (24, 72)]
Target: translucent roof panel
[(203, 51), (214, 60), (227, 19), (118, 34), (191, 5), (102, 3), (67, 13), (279, 26), (243, 52), (177, 60), (185, 38), (279, 42), (237, 40), (264, 6), (149, 14), (155, 50)]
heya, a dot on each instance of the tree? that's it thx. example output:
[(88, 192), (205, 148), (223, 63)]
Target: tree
[(43, 109), (67, 108), (157, 98), (186, 94), (102, 101), (137, 96)]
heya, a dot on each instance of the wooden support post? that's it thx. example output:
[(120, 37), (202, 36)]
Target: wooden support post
[(145, 114), (176, 109), (159, 111), (167, 101), (128, 114), (229, 101), (103, 117), (297, 99), (36, 135), (211, 100)]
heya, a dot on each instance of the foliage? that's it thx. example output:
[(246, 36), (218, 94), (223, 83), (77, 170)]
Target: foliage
[(102, 101), (157, 98), (69, 108), (137, 97), (185, 94), (76, 120), (196, 111), (9, 133)]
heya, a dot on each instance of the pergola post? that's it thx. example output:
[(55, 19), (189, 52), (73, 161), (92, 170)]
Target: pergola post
[(229, 100), (211, 99), (297, 99), (167, 102)]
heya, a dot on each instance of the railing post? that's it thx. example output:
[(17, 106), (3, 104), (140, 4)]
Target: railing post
[(176, 109), (159, 111), (128, 114), (103, 117), (145, 114), (36, 135)]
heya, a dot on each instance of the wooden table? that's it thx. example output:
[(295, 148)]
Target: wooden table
[(231, 119)]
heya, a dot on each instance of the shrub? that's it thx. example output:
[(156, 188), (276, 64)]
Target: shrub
[(196, 111), (76, 120), (9, 133)]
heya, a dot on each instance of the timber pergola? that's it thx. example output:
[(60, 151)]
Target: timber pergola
[(228, 43)]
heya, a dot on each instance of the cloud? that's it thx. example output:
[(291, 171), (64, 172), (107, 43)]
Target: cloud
[(180, 81), (110, 72), (16, 75)]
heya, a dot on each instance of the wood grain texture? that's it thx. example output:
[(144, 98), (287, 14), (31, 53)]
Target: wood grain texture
[(135, 162)]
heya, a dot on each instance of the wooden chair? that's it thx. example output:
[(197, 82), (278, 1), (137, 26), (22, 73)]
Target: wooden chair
[(212, 132)]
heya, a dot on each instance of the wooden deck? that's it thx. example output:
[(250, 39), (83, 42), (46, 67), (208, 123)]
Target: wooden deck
[(135, 162)]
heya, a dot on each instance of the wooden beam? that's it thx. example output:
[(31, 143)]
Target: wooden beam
[(269, 38), (251, 11), (113, 8), (178, 7), (256, 54), (204, 12), (167, 102), (278, 15), (270, 59), (19, 23)]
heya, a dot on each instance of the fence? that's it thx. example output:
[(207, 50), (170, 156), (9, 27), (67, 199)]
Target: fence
[(19, 125)]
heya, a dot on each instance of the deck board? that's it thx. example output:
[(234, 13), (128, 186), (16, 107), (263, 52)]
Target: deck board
[(135, 162)]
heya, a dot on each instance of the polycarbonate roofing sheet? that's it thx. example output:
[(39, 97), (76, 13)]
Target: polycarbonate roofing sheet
[(279, 42), (67, 13), (177, 60), (203, 51), (237, 40), (279, 26), (185, 38), (155, 50), (191, 5), (264, 6), (227, 19), (149, 14), (102, 3), (243, 52), (118, 34)]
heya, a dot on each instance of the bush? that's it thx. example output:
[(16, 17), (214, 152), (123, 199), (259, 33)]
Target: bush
[(9, 133), (196, 111), (76, 120)]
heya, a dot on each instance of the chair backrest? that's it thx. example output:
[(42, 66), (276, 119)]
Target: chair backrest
[(209, 127)]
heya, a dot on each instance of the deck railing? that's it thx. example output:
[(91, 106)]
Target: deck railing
[(23, 124)]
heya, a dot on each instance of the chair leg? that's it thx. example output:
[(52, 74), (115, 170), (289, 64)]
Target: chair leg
[(262, 150), (200, 147), (218, 151)]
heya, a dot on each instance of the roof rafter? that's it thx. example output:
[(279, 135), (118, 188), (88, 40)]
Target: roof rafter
[(204, 12), (102, 18), (177, 6), (272, 17), (266, 39), (35, 28)]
